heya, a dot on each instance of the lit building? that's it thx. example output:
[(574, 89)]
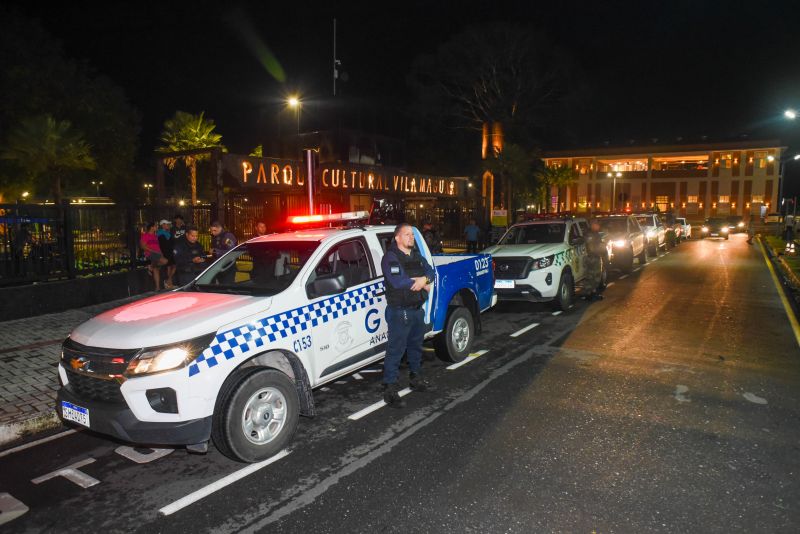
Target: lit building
[(692, 181)]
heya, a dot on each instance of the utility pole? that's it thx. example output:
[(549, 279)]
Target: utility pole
[(336, 62)]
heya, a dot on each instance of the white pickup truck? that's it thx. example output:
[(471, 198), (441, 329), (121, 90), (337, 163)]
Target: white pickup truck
[(541, 260), (235, 354)]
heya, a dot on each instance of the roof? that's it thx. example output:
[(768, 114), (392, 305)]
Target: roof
[(663, 149), (317, 234)]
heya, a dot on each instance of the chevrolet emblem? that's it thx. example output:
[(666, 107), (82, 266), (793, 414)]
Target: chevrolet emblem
[(78, 364)]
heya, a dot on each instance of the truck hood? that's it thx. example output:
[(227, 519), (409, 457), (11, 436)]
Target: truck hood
[(165, 319), (533, 251)]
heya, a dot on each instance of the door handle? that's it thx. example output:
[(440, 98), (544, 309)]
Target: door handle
[(379, 293)]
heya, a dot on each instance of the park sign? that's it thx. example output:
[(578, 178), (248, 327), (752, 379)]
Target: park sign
[(273, 174)]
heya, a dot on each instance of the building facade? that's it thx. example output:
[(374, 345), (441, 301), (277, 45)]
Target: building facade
[(692, 181)]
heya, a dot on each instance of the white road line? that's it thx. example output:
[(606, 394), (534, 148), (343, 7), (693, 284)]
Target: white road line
[(637, 269), (377, 406), (466, 360), (358, 376), (623, 277), (556, 312), (219, 484), (522, 331), (370, 371), (37, 442), (654, 259), (609, 284)]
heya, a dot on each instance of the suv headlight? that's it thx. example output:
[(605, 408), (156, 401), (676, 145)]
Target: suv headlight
[(168, 357), (620, 243), (543, 263), (724, 229), (705, 228)]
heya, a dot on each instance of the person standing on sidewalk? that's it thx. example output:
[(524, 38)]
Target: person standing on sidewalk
[(593, 283), (472, 232), (167, 244), (408, 278), (750, 231), (190, 258), (149, 244), (221, 240)]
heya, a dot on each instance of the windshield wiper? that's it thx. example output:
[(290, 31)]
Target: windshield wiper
[(214, 288)]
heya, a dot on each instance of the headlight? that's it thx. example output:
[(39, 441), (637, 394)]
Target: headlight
[(651, 233), (705, 228), (620, 243), (724, 229), (543, 263), (169, 357), (740, 225)]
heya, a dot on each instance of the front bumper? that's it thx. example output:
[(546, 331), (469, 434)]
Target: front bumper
[(117, 420), (540, 286), (521, 292)]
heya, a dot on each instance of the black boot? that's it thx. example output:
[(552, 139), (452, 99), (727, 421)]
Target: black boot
[(392, 397), (416, 383)]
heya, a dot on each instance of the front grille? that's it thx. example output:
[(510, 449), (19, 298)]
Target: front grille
[(512, 268), (95, 360), (91, 388)]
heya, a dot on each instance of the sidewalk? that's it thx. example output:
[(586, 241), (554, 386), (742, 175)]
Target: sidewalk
[(29, 353)]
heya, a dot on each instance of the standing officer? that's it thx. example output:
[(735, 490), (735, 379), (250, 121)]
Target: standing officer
[(190, 258), (408, 278), (593, 283), (221, 240)]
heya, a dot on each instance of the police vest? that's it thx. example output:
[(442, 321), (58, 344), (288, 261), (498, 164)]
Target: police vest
[(413, 267)]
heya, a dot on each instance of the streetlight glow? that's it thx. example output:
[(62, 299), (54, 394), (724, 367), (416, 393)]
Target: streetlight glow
[(293, 102), (790, 114)]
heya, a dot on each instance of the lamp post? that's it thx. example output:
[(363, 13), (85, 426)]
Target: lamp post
[(295, 103), (147, 188), (614, 190), (97, 185)]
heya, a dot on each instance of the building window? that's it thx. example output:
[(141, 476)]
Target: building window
[(726, 158), (724, 199), (662, 201), (761, 159), (758, 199), (692, 199), (582, 202), (621, 166)]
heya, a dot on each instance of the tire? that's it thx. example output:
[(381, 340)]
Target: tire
[(627, 266), (726, 237), (252, 397), (566, 292), (642, 257), (652, 250), (455, 342)]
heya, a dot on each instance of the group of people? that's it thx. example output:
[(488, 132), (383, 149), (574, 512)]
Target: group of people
[(175, 246)]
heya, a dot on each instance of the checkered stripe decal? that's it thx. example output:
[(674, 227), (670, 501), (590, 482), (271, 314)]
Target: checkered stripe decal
[(246, 338)]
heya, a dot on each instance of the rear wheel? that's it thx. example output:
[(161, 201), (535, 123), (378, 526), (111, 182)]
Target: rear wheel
[(455, 342), (627, 263), (642, 257), (256, 416), (566, 292)]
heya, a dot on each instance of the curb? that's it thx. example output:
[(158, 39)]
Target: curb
[(14, 431)]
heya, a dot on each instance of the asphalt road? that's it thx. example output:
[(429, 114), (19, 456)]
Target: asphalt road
[(671, 406)]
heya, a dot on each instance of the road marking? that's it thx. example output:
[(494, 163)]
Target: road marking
[(467, 359), (10, 508), (679, 393), (357, 376), (786, 306), (377, 406), (72, 474), (37, 442), (755, 399), (623, 277), (141, 458), (192, 498), (557, 312), (654, 259), (636, 270), (371, 371), (522, 331), (609, 284)]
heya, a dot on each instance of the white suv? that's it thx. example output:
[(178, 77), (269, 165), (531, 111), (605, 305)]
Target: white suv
[(541, 260), (654, 232)]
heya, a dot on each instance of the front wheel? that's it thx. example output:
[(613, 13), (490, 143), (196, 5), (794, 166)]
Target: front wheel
[(627, 264), (642, 257), (566, 292), (257, 416), (455, 342)]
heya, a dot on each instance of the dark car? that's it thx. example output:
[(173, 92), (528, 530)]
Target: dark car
[(736, 224), (715, 227), (624, 241)]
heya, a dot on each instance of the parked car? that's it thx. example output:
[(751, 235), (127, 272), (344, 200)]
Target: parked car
[(625, 241), (654, 231), (736, 224), (686, 228), (715, 227), (672, 229)]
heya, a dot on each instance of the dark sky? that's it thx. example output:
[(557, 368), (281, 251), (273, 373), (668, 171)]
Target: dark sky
[(662, 70)]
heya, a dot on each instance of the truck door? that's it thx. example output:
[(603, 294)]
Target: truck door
[(578, 247), (342, 338)]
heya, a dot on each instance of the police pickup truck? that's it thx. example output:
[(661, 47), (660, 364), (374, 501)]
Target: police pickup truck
[(234, 355), (542, 260)]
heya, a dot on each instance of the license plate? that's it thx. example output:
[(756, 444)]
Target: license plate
[(72, 412), (504, 284)]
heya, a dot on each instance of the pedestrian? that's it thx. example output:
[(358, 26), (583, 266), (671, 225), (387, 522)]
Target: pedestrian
[(432, 238), (190, 258), (149, 244), (408, 278), (750, 231), (593, 283), (166, 243), (472, 232), (788, 232), (178, 228), (261, 229), (221, 240)]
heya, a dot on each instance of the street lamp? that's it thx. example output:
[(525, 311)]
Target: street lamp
[(790, 114), (97, 186), (614, 191), (147, 188), (295, 103)]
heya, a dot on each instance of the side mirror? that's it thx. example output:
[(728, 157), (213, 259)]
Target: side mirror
[(326, 284)]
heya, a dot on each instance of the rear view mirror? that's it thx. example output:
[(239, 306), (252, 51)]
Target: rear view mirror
[(326, 284)]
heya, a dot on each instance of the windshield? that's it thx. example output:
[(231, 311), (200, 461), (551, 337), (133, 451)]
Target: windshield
[(645, 220), (263, 269), (535, 233), (614, 226), (716, 222)]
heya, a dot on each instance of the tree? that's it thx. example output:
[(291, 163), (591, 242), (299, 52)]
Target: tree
[(44, 146), (514, 166), (554, 175), (189, 132)]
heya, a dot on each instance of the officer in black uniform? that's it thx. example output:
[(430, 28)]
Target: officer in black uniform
[(190, 258), (595, 250), (221, 240), (408, 278)]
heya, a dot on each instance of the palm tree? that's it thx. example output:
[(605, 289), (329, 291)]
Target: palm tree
[(42, 145), (183, 132), (555, 175)]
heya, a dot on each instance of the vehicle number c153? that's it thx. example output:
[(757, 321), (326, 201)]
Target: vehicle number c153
[(482, 263), (302, 343)]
